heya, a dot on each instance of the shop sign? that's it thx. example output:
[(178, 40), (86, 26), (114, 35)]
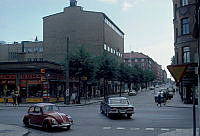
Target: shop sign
[(30, 76), (7, 76), (3, 82), (34, 82), (11, 82)]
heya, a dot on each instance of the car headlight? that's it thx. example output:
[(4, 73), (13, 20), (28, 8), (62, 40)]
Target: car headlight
[(53, 121), (70, 118)]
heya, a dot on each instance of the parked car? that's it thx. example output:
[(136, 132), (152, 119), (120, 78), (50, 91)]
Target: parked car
[(46, 115), (132, 93), (116, 105)]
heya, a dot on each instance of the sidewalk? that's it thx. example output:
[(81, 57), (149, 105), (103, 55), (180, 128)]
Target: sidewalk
[(180, 132), (60, 104), (177, 102), (12, 130)]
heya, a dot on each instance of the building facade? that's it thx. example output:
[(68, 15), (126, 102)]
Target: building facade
[(92, 30), (63, 34), (145, 63), (185, 45)]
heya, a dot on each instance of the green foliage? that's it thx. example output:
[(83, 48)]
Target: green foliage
[(173, 60), (81, 64), (106, 67)]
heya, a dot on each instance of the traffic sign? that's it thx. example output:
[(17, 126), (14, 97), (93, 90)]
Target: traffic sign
[(177, 71)]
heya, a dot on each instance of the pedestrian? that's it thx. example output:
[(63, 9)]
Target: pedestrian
[(159, 100), (14, 98)]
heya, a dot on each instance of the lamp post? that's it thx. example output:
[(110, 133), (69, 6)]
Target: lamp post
[(67, 91)]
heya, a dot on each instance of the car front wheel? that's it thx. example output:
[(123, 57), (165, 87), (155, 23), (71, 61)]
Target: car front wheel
[(47, 126), (129, 115), (26, 122)]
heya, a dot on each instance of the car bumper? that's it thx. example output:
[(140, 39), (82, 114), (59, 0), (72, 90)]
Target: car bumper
[(62, 125), (121, 112)]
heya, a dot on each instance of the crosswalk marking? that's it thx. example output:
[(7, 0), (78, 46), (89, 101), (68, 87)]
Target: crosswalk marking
[(179, 129), (134, 128), (146, 129), (164, 129), (149, 129), (106, 127), (120, 128)]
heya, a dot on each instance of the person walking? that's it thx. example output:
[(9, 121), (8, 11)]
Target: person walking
[(159, 100), (14, 97)]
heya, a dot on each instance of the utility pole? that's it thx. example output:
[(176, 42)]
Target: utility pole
[(67, 91)]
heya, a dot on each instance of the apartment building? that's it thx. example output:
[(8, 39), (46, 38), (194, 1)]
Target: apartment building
[(185, 45)]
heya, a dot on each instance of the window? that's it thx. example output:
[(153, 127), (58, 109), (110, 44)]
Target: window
[(113, 27), (176, 35), (184, 2), (175, 8), (186, 54), (185, 26)]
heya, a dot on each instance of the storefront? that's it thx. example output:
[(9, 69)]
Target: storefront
[(33, 81)]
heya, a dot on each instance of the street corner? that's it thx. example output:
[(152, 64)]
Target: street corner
[(12, 130)]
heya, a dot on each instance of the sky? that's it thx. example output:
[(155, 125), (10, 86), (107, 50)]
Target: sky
[(147, 24)]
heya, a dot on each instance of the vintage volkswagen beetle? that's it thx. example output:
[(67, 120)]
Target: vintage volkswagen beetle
[(46, 115), (116, 105)]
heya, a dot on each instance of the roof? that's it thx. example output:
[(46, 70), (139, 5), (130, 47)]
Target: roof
[(135, 55)]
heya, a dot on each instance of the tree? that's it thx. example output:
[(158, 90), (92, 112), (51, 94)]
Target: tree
[(106, 69), (173, 60), (148, 76), (81, 65)]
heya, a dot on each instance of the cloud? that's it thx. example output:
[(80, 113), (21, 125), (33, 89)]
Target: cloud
[(130, 4), (109, 1)]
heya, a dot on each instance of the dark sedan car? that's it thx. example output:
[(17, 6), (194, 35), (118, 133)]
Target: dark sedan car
[(116, 105), (46, 115)]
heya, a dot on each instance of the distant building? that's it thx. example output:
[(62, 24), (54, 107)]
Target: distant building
[(145, 63), (185, 45), (24, 51)]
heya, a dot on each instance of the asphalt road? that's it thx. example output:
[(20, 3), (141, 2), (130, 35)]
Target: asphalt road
[(149, 119)]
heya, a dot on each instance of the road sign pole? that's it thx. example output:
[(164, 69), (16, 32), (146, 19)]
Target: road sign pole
[(194, 112)]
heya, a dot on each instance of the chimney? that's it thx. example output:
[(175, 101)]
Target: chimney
[(73, 3)]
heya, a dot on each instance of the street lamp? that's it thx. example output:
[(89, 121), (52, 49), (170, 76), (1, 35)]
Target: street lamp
[(67, 91)]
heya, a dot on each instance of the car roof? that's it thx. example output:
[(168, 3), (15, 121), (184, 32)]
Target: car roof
[(43, 104)]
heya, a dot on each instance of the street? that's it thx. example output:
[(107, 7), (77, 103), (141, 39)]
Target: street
[(149, 120)]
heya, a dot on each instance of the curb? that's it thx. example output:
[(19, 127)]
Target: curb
[(177, 106), (71, 105)]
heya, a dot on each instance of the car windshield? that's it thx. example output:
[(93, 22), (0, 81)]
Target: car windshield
[(118, 101), (50, 108)]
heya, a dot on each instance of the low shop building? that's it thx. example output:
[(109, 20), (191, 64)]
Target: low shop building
[(32, 81)]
